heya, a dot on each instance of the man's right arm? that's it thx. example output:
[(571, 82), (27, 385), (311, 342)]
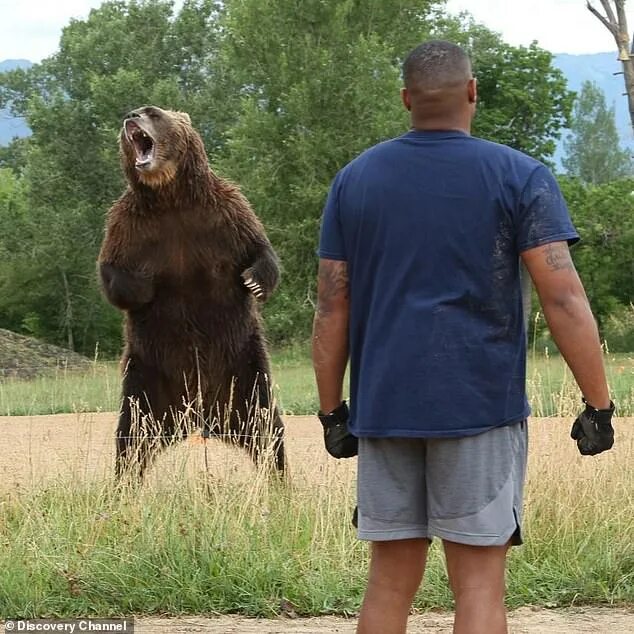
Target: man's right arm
[(569, 318)]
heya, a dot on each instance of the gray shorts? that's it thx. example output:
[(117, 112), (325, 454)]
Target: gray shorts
[(466, 490)]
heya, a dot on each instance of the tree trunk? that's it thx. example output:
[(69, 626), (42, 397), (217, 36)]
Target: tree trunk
[(616, 23), (68, 317), (628, 76)]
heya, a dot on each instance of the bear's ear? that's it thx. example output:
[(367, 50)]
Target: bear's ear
[(184, 117)]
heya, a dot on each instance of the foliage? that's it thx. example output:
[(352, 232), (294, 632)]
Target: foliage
[(618, 329), (523, 100), (324, 90), (593, 153), (604, 217), (313, 102), (284, 94)]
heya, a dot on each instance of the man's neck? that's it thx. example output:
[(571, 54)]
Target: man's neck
[(429, 125)]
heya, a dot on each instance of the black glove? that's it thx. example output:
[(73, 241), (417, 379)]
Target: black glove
[(340, 443), (593, 430)]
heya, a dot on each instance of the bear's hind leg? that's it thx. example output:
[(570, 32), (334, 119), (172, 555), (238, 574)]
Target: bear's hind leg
[(144, 422), (253, 419)]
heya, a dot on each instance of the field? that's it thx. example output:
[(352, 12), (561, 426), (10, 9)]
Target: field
[(551, 388), (208, 534)]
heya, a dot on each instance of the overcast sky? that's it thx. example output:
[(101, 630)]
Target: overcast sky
[(560, 26), (30, 29)]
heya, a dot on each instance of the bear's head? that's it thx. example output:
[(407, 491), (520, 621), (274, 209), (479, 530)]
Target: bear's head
[(157, 145)]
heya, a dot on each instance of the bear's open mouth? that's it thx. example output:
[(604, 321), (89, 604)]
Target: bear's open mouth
[(142, 142)]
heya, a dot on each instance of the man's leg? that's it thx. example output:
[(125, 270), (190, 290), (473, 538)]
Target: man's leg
[(396, 570), (393, 517), (476, 577), (475, 487)]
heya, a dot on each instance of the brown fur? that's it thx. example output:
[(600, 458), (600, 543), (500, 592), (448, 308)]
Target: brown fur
[(179, 243)]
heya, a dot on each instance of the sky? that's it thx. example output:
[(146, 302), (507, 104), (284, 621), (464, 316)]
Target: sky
[(559, 26), (30, 29)]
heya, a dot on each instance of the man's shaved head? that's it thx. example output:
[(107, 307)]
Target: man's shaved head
[(440, 91), (434, 65)]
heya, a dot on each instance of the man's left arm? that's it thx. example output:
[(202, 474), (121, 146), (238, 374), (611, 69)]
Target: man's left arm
[(330, 332)]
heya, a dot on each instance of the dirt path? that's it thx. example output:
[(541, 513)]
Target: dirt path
[(522, 621), (38, 449)]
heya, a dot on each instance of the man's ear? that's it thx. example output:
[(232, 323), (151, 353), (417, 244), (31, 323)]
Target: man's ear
[(405, 98), (472, 90)]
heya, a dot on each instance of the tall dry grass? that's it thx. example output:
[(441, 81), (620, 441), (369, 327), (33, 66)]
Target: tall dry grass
[(208, 533)]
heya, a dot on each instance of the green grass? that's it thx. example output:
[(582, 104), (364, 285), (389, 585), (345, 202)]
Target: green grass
[(63, 391), (552, 390), (78, 547), (231, 545), (550, 387)]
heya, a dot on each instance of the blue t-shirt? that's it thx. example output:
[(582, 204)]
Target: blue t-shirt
[(431, 225)]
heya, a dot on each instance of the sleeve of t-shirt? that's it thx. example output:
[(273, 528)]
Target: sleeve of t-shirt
[(331, 244), (543, 215)]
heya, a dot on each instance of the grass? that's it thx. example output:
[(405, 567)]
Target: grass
[(550, 386), (552, 390), (248, 545), (63, 391), (78, 547)]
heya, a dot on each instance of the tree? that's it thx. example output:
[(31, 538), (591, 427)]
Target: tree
[(604, 217), (523, 100), (592, 149), (320, 90), (284, 93), (124, 55), (325, 88), (615, 21)]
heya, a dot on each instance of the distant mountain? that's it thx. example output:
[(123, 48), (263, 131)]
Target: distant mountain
[(599, 68), (12, 64), (10, 126)]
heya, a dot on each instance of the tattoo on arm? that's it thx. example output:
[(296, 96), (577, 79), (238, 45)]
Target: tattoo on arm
[(558, 257), (332, 283)]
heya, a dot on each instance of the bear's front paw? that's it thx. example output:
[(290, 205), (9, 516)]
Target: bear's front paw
[(126, 289), (250, 280)]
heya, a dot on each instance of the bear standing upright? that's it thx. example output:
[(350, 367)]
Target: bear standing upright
[(186, 260)]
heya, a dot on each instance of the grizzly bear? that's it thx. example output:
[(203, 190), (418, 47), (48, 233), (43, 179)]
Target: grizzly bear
[(187, 261)]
